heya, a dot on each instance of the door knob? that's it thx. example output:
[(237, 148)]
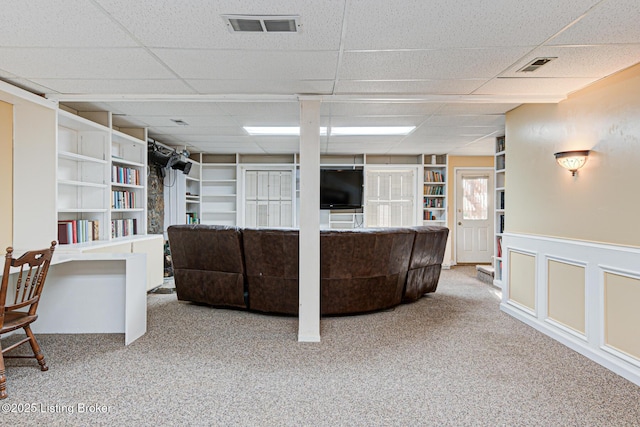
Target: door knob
[(459, 223)]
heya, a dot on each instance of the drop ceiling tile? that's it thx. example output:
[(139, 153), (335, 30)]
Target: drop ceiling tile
[(193, 131), (480, 108), (168, 108), (465, 120), (579, 61), (427, 132), (449, 87), (377, 121), (199, 24), (534, 86), (610, 22), (429, 64), (356, 109), (110, 86), (60, 23), (192, 120), (77, 63), (261, 109), (252, 65), (446, 24), (281, 87), (30, 86)]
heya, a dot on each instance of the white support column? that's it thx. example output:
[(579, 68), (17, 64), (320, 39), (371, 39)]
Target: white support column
[(309, 279)]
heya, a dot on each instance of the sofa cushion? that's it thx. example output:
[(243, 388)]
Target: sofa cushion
[(426, 261), (208, 264), (272, 269)]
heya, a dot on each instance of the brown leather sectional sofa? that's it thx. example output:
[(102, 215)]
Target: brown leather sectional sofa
[(361, 270)]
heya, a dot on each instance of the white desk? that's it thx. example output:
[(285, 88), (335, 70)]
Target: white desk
[(94, 293)]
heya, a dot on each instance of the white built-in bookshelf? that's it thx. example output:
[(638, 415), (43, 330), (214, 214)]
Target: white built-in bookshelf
[(500, 165), (193, 191), (101, 178), (434, 201)]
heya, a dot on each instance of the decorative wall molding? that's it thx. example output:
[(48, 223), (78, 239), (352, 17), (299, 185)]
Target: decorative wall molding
[(597, 259)]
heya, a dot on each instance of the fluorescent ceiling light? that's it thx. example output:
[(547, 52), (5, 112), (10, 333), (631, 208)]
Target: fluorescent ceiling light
[(277, 130), (371, 130), (335, 131)]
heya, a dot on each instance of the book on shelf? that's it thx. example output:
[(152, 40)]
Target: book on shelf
[(500, 144), (499, 247), (124, 227), (433, 176), (78, 231), (434, 190)]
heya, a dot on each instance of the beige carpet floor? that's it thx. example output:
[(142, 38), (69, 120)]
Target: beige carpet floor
[(450, 359)]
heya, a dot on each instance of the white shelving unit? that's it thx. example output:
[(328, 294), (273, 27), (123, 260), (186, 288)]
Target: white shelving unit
[(128, 185), (83, 175), (193, 191), (500, 165), (219, 189), (434, 201), (101, 179)]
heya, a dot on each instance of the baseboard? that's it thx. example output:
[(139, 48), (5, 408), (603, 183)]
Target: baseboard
[(598, 355)]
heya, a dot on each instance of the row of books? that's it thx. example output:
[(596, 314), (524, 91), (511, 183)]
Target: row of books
[(501, 202), (123, 227), (500, 144), (501, 224), (78, 231), (123, 200), (433, 203), (122, 175), (192, 218), (434, 190), (430, 216), (499, 247), (433, 176)]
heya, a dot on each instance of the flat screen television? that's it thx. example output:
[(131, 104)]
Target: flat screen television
[(341, 188)]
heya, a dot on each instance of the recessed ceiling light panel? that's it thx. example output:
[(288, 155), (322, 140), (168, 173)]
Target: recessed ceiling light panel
[(263, 23)]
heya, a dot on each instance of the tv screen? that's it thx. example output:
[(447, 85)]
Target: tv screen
[(340, 188)]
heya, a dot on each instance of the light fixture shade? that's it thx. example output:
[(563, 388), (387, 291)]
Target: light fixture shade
[(572, 160)]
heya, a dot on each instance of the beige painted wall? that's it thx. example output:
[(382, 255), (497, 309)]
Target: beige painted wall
[(459, 162), (601, 203), (6, 175)]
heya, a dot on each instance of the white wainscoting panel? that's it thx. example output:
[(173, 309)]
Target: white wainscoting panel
[(611, 280)]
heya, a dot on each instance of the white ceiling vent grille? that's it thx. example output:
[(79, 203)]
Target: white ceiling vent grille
[(535, 64), (262, 23)]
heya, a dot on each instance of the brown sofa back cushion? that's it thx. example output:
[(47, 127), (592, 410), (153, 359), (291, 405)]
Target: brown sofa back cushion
[(363, 270), (272, 269), (426, 261), (208, 264)]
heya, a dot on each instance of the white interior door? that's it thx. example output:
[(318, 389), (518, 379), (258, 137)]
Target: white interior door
[(474, 223)]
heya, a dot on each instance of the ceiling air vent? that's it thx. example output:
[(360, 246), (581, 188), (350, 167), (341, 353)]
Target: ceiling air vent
[(535, 64), (262, 23), (180, 122)]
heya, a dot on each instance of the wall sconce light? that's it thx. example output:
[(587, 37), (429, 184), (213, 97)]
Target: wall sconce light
[(572, 160)]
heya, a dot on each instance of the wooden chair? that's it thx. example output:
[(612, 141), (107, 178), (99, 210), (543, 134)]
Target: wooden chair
[(28, 288)]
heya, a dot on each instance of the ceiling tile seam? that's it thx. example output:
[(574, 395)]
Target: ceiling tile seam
[(416, 129), (343, 35), (142, 45), (543, 44), (574, 22)]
